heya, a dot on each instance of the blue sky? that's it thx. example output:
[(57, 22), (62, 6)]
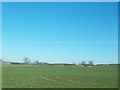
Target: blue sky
[(60, 32)]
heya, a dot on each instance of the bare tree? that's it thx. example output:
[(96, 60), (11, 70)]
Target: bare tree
[(36, 62), (83, 62), (91, 63), (26, 60)]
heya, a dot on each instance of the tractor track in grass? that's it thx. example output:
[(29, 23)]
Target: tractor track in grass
[(68, 80), (71, 81), (48, 79), (59, 78)]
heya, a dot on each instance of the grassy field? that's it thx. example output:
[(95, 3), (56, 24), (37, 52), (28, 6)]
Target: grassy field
[(55, 76)]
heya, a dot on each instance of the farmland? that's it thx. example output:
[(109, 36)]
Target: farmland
[(59, 76)]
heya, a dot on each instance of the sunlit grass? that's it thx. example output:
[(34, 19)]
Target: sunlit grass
[(48, 76)]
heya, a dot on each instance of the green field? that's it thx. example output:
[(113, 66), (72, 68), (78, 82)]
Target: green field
[(58, 76)]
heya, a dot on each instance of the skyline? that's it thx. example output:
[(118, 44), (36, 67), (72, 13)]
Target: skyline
[(60, 32)]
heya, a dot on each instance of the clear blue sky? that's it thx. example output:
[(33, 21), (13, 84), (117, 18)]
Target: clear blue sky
[(60, 32)]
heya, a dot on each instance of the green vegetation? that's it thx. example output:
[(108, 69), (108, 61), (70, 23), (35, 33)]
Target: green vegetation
[(59, 76)]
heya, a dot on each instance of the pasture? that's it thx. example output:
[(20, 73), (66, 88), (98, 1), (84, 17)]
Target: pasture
[(59, 76)]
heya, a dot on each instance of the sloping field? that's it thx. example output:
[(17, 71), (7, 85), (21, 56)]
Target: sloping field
[(56, 76)]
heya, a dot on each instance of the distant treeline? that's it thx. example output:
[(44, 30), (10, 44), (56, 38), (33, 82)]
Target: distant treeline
[(42, 63), (65, 64), (27, 61)]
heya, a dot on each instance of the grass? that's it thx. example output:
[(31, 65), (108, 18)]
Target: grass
[(53, 76)]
